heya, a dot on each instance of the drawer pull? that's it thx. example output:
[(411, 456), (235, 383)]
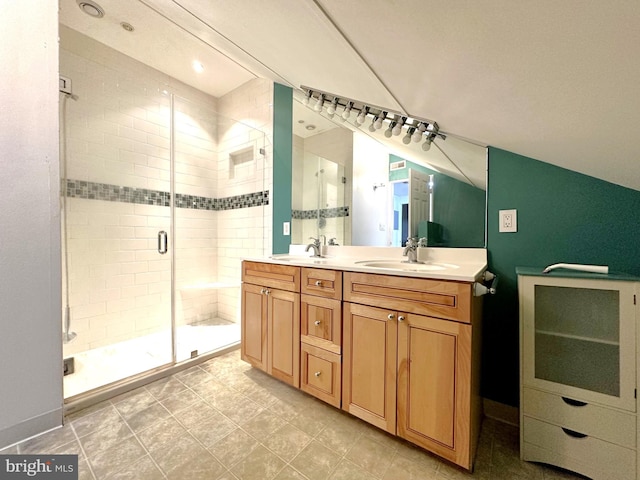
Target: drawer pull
[(317, 374), (573, 403), (263, 291), (573, 433), (391, 316), (318, 283), (317, 322), (401, 318)]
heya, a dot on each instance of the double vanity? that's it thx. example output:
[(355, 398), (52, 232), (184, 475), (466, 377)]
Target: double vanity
[(394, 343)]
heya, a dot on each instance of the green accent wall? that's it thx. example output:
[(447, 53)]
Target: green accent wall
[(563, 216), (282, 164), (457, 206)]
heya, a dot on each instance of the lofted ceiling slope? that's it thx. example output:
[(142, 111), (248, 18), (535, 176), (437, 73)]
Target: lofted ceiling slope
[(555, 81)]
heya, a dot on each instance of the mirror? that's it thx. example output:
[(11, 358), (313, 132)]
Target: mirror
[(354, 186)]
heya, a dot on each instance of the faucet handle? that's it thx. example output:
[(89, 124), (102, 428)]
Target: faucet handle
[(422, 242), (412, 242), (316, 241)]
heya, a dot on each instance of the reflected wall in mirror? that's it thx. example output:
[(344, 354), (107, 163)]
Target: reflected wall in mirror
[(351, 186)]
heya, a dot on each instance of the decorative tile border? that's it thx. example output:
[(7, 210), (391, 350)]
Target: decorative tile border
[(144, 196), (324, 213)]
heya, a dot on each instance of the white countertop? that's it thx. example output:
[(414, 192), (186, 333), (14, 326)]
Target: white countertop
[(459, 264)]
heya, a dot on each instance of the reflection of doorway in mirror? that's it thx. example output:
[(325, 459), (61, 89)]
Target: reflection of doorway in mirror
[(410, 202)]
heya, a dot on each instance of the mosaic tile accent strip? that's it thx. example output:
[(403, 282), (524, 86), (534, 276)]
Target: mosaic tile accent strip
[(324, 213), (144, 196)]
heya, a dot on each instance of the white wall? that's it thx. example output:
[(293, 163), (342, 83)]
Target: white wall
[(30, 334), (370, 167)]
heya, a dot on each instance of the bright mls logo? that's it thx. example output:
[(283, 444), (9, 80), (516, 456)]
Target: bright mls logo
[(50, 467)]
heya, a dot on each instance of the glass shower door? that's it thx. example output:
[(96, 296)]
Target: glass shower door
[(116, 227)]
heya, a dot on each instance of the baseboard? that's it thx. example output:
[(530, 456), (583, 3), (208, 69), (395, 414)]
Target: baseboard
[(501, 412), (30, 428)]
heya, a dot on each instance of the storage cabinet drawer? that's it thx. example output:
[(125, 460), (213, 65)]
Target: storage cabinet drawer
[(323, 283), (435, 298), (283, 277), (593, 420), (321, 374), (596, 455), (321, 322)]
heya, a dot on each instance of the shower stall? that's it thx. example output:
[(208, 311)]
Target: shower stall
[(163, 196)]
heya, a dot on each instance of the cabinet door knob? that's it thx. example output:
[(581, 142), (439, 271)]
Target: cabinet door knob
[(317, 374), (401, 318), (391, 316), (267, 291), (318, 283), (317, 322), (263, 291)]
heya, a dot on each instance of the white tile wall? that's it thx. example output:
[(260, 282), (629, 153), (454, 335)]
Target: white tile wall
[(118, 133)]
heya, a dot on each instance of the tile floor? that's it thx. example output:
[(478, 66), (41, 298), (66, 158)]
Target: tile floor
[(224, 420)]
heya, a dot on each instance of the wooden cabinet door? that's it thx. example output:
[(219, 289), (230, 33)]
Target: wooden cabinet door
[(254, 326), (283, 352), (369, 364), (434, 358)]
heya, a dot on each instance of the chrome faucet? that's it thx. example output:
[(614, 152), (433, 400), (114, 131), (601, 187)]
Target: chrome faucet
[(315, 245), (411, 249)]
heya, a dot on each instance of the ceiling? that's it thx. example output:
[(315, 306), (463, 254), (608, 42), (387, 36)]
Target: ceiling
[(555, 81)]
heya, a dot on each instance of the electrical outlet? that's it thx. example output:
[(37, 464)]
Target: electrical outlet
[(286, 228), (508, 221)]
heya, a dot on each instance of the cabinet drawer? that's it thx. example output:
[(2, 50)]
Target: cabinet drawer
[(321, 374), (321, 322), (323, 283), (283, 277), (593, 420), (596, 455), (435, 298)]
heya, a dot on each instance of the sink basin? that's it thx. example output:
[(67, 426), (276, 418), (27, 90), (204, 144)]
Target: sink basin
[(407, 267), (299, 258)]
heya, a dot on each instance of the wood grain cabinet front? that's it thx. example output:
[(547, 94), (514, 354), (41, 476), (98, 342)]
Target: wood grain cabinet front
[(270, 320)]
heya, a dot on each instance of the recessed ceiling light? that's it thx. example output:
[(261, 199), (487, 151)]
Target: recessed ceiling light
[(91, 8), (127, 26), (310, 127), (198, 67)]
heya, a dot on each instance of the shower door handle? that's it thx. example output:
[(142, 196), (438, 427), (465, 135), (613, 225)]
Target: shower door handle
[(163, 242)]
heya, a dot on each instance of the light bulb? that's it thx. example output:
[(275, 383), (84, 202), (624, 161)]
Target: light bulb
[(389, 131), (407, 138), (331, 109), (397, 130), (319, 104), (422, 127), (362, 115), (372, 127), (347, 111), (379, 119), (426, 145), (307, 98), (417, 135)]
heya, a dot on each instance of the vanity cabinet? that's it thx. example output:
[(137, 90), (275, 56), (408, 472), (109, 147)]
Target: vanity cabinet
[(578, 378), (270, 319), (321, 334), (411, 360)]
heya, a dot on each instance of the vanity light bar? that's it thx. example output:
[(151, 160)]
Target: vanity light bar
[(427, 128)]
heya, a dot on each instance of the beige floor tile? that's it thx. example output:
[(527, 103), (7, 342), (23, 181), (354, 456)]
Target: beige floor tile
[(350, 471), (147, 417), (117, 458), (49, 441), (212, 429), (135, 402), (110, 435), (288, 473), (287, 442), (372, 456), (260, 464), (142, 469), (181, 400), (195, 414), (316, 461), (404, 468), (193, 376), (234, 447), (182, 450), (161, 434), (96, 421), (165, 387), (263, 424), (201, 467), (339, 436)]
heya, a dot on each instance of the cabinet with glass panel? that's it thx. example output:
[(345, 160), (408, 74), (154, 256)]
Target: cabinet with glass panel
[(578, 371)]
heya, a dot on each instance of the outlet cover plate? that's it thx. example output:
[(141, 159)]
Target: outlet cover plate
[(508, 221)]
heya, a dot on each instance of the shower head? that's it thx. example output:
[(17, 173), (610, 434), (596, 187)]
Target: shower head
[(68, 336)]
